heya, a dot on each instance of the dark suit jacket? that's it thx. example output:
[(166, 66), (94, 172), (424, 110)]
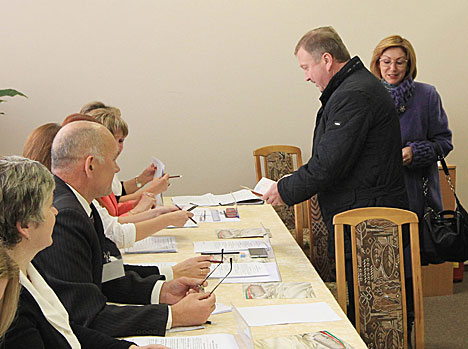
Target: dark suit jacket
[(32, 330), (356, 157), (73, 266)]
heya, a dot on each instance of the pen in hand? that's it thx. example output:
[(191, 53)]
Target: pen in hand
[(193, 220)]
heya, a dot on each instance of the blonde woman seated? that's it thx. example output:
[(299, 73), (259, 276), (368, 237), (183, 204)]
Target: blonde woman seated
[(132, 188), (124, 231), (28, 217)]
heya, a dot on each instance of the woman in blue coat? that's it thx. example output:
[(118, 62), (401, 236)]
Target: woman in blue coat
[(423, 122)]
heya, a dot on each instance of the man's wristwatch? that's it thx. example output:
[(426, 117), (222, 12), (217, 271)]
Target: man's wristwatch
[(138, 183)]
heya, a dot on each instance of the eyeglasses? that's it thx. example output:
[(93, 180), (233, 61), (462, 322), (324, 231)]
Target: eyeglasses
[(225, 276), (219, 263), (387, 62)]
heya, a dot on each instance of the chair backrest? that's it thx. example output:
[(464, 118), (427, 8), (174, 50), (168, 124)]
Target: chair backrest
[(378, 274), (278, 160)]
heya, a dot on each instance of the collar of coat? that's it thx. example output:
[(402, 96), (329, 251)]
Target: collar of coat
[(353, 65)]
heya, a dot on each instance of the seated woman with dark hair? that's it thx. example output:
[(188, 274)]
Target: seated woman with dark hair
[(28, 216)]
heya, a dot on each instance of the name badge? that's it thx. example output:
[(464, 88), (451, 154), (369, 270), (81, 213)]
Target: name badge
[(113, 269)]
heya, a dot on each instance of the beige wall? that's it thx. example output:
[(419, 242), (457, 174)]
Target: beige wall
[(203, 83)]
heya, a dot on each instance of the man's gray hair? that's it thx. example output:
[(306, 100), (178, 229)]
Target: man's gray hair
[(321, 40), (24, 187), (76, 143)]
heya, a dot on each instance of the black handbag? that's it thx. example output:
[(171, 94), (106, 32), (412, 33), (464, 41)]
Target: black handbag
[(444, 234)]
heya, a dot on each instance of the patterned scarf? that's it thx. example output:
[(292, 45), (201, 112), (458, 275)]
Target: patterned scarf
[(400, 93)]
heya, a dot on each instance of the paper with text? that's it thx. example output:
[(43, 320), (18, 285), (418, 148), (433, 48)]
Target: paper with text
[(208, 341), (154, 244), (227, 245)]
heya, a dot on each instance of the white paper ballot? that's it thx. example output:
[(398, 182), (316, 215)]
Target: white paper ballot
[(239, 270), (227, 245), (154, 244), (209, 341), (288, 314), (263, 185), (156, 264)]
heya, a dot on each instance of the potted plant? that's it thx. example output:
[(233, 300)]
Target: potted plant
[(9, 92)]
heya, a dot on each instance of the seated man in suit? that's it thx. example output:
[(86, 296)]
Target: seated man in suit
[(85, 268)]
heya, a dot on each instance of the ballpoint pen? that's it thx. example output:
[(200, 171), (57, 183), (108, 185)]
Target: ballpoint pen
[(193, 220)]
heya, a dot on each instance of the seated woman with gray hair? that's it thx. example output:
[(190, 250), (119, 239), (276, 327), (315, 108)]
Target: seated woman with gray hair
[(27, 218)]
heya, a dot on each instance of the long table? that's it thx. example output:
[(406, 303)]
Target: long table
[(293, 265)]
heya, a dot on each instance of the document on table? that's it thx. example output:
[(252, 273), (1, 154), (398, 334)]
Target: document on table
[(156, 264), (273, 276), (288, 314), (239, 270), (208, 341), (228, 245), (154, 244), (240, 197)]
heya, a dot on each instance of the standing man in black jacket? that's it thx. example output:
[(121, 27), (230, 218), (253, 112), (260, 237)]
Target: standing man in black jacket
[(356, 156)]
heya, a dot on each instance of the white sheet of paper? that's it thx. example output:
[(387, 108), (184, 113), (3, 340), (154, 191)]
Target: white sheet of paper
[(200, 200), (211, 341), (158, 173), (263, 185), (157, 264), (221, 308), (154, 244), (273, 276), (228, 245), (207, 215), (239, 270), (288, 314)]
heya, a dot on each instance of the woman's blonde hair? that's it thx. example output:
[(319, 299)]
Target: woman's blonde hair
[(109, 116), (389, 42), (9, 301)]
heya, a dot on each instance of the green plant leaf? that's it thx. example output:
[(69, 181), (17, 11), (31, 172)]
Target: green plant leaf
[(11, 93)]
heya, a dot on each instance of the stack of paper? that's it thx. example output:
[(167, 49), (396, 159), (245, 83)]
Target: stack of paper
[(240, 197), (154, 244)]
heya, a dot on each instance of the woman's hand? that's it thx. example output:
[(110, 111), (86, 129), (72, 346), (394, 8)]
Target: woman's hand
[(147, 174), (407, 154), (178, 218), (163, 209), (147, 201), (196, 267), (159, 185)]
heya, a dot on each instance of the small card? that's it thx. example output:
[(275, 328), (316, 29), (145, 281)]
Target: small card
[(316, 340), (279, 290), (242, 233)]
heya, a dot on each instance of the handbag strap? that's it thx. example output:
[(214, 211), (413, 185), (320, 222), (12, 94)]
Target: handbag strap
[(440, 157)]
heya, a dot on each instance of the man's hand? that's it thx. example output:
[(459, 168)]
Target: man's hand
[(407, 154), (272, 196), (197, 267), (173, 291), (193, 309)]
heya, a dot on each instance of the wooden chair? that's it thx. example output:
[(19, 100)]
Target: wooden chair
[(378, 274), (277, 162)]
